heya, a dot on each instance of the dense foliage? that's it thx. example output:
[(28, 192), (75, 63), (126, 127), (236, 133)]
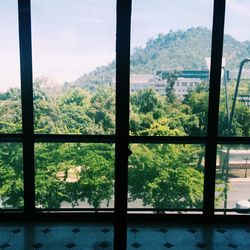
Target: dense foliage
[(82, 174), (78, 174)]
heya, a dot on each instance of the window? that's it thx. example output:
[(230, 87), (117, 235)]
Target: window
[(89, 145), (232, 158), (163, 48), (10, 105), (232, 178), (66, 46), (80, 176)]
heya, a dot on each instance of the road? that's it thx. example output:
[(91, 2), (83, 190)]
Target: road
[(239, 189)]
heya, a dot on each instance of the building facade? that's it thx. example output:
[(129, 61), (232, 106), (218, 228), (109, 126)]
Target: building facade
[(186, 80)]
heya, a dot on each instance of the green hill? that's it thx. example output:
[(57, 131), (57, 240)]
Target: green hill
[(176, 50)]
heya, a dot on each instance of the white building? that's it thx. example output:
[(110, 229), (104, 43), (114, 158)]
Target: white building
[(140, 81), (181, 87)]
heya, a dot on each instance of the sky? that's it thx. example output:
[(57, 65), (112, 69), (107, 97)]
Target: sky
[(70, 38)]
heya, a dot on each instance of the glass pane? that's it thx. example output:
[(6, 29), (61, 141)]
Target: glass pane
[(74, 66), (74, 175), (11, 177), (236, 49), (169, 77), (10, 95), (233, 177), (166, 176)]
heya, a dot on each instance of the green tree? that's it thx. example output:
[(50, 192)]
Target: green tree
[(102, 109), (11, 177), (74, 106), (95, 180), (196, 102), (171, 79), (165, 176), (147, 100), (50, 190), (10, 111), (46, 113), (146, 107)]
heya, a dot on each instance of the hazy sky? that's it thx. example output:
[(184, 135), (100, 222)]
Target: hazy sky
[(72, 37)]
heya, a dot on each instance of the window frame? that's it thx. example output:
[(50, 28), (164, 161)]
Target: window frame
[(121, 139)]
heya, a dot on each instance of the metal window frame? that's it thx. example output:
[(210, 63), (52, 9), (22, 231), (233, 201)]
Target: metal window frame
[(24, 21), (119, 215), (213, 106)]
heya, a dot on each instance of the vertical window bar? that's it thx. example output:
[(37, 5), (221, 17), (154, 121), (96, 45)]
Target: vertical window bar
[(122, 121), (27, 105), (213, 108)]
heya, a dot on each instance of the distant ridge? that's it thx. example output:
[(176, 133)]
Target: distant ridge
[(176, 50)]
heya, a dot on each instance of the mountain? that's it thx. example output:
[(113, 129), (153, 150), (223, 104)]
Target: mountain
[(176, 50)]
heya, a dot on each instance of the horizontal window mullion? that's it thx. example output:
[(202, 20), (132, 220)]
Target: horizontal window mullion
[(11, 138), (165, 210), (238, 211), (11, 210), (167, 139), (40, 210), (75, 138), (112, 209), (132, 139), (233, 140)]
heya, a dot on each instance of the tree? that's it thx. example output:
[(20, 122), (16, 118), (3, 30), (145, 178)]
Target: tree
[(95, 179), (146, 100), (146, 107), (11, 177), (196, 102), (50, 189), (10, 111), (165, 176), (46, 113), (102, 109), (241, 120), (162, 127), (73, 106), (171, 79)]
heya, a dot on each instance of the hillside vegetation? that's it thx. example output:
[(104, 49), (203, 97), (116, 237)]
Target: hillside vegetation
[(176, 50)]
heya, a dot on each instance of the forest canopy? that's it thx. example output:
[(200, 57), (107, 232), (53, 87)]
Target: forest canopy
[(161, 176)]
